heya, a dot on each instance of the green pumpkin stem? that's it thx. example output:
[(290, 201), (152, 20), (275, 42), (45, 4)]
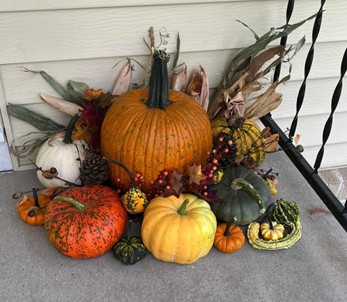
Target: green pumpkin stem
[(131, 176), (159, 82), (70, 128), (269, 215), (182, 210), (227, 229), (36, 198), (241, 184), (80, 206)]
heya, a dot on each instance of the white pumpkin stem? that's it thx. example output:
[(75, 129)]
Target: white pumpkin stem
[(70, 128)]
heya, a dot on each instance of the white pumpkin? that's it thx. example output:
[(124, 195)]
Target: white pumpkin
[(66, 158)]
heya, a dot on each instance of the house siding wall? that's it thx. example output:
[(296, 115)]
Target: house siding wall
[(82, 40)]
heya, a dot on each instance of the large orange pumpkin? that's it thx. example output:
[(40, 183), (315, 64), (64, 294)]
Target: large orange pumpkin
[(85, 222), (150, 130)]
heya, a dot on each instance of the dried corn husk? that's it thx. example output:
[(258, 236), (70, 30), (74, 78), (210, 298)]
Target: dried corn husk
[(198, 88), (123, 81), (179, 78), (61, 105)]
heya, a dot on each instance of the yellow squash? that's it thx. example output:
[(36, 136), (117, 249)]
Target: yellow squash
[(179, 230)]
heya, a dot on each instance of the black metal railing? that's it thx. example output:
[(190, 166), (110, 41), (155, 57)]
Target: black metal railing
[(285, 142)]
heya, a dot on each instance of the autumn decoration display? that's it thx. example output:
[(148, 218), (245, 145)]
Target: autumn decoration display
[(183, 164)]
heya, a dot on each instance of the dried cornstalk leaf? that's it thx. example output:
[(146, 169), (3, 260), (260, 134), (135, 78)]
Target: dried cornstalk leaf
[(35, 119), (61, 105), (77, 89), (177, 52), (264, 103), (270, 144), (262, 58), (123, 80), (198, 87), (235, 107), (65, 94), (179, 78)]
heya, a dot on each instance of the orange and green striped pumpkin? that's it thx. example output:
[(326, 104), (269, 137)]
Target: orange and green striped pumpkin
[(85, 222), (150, 130), (247, 135)]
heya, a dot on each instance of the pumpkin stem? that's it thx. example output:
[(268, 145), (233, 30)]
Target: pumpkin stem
[(268, 215), (182, 210), (80, 206), (159, 82), (241, 184), (131, 176), (70, 128), (227, 229), (36, 198)]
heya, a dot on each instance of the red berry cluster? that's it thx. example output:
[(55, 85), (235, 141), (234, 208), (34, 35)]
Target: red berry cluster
[(224, 150), (167, 183)]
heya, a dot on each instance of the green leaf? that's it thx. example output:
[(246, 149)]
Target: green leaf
[(30, 146), (177, 53), (263, 41), (77, 90), (35, 119), (253, 32)]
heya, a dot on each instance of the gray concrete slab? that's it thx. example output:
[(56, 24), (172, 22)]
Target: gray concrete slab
[(315, 269)]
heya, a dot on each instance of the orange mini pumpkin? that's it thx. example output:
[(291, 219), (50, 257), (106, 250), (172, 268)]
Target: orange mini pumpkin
[(32, 209), (150, 130), (229, 238)]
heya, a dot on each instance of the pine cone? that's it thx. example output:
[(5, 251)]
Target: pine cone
[(94, 169)]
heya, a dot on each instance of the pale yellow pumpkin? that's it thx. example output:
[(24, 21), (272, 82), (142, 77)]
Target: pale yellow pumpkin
[(179, 230)]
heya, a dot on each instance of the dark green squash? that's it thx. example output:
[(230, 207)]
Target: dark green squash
[(129, 250), (244, 196)]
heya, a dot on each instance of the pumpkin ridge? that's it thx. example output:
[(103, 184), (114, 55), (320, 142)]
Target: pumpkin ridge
[(130, 156), (190, 128), (150, 150)]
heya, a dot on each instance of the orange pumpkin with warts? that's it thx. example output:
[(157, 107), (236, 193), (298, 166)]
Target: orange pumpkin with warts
[(150, 130)]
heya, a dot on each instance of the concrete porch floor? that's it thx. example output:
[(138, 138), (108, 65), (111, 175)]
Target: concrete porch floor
[(315, 269)]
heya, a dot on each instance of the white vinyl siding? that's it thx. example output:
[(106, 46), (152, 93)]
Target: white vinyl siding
[(83, 39)]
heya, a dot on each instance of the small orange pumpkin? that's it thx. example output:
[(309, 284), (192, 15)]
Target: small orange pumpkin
[(32, 209), (229, 238)]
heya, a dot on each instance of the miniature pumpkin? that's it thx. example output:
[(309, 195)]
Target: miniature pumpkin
[(178, 229), (129, 250), (154, 130), (32, 209), (229, 238), (273, 231), (243, 195), (247, 136), (85, 222), (62, 157)]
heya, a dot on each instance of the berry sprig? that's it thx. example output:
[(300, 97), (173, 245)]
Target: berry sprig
[(224, 151), (138, 177)]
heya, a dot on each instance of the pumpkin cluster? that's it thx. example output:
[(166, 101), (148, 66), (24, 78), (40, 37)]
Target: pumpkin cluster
[(154, 155)]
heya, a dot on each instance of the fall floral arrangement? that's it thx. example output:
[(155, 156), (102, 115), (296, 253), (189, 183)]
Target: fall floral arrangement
[(185, 164)]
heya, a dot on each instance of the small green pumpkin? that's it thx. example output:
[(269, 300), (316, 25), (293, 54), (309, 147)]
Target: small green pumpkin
[(244, 196), (129, 250)]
